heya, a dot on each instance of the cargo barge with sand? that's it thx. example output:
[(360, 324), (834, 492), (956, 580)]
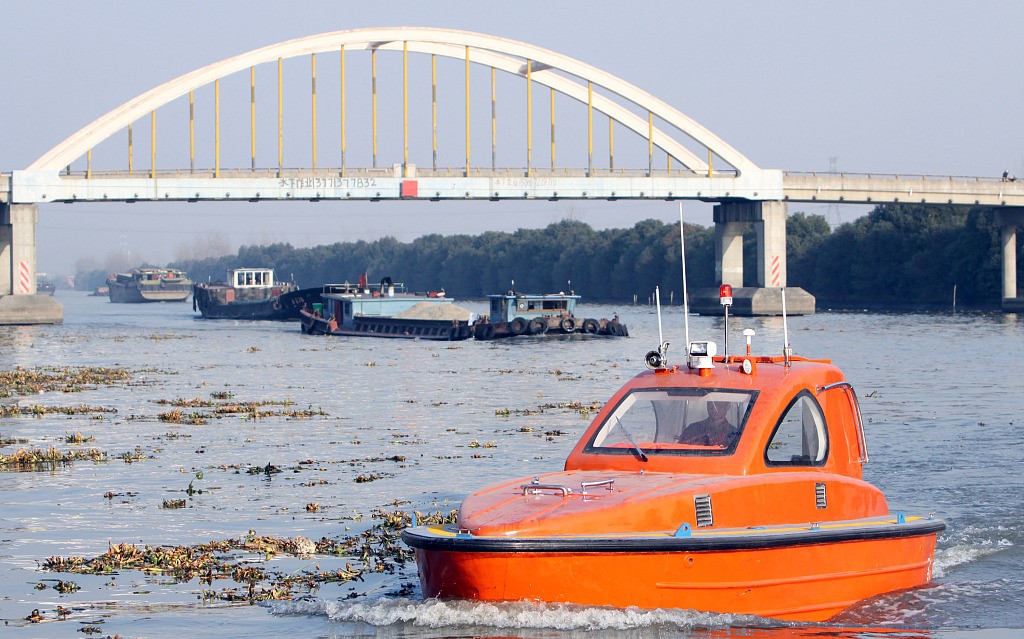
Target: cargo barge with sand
[(385, 310)]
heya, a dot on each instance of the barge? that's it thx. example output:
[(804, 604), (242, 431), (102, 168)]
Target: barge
[(385, 310), (513, 314), (149, 285)]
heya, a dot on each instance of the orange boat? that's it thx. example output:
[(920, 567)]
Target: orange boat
[(727, 485)]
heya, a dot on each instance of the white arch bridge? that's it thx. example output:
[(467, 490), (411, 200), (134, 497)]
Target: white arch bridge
[(350, 140)]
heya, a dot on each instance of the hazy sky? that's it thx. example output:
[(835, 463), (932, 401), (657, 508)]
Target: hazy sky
[(930, 87)]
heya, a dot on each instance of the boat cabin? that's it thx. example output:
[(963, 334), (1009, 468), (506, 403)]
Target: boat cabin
[(507, 307), (777, 417), (250, 277)]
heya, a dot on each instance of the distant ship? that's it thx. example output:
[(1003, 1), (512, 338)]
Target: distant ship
[(149, 285), (252, 294)]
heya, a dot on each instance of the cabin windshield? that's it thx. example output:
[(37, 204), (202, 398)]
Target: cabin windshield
[(675, 421)]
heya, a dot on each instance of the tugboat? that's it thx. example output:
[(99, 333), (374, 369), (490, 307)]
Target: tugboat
[(513, 314), (252, 294), (728, 484), (385, 310), (149, 285)]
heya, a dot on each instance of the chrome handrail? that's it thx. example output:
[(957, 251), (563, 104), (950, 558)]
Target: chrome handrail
[(584, 485), (533, 488)]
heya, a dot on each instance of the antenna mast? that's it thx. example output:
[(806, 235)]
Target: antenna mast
[(786, 350), (657, 301), (686, 299)]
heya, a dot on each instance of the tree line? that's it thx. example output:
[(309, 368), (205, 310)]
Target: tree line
[(896, 256)]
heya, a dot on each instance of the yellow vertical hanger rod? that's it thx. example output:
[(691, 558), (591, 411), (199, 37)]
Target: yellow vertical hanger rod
[(405, 109), (611, 144), (552, 129), (216, 128), (494, 120), (342, 55), (590, 128), (529, 117), (252, 116), (373, 101), (130, 150), (152, 144), (433, 106), (312, 71), (650, 143), (191, 132), (280, 117)]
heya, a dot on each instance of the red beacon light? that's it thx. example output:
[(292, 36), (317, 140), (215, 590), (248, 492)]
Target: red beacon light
[(725, 294)]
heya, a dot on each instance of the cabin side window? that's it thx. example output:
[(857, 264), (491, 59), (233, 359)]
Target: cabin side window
[(800, 438)]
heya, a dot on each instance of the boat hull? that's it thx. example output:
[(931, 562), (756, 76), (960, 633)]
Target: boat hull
[(548, 325), (388, 327), (282, 307), (129, 294), (806, 573)]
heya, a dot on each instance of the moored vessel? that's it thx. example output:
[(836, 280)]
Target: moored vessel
[(44, 285), (252, 294), (727, 484), (149, 285), (385, 310), (513, 314)]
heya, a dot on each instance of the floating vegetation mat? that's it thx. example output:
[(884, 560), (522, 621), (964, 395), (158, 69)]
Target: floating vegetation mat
[(11, 410), (376, 550), (217, 410), (38, 458), (32, 381), (573, 407)]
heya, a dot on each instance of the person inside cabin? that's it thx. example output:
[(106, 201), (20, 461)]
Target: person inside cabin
[(714, 430)]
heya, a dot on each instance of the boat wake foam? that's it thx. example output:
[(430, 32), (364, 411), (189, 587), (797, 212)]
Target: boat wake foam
[(971, 545), (467, 615)]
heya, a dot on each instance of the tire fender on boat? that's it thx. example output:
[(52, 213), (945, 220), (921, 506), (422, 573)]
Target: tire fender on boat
[(517, 326), (567, 324), (537, 326), (591, 326)]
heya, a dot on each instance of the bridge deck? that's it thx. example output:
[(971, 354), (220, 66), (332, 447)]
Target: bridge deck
[(507, 183)]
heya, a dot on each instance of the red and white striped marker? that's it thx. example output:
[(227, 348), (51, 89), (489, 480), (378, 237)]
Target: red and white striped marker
[(23, 277), (776, 271)]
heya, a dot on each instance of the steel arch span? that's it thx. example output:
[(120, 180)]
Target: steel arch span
[(548, 68)]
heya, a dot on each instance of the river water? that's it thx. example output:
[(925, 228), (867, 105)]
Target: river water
[(413, 425)]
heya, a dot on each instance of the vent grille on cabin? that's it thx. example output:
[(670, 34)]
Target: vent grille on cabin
[(702, 504), (819, 495)]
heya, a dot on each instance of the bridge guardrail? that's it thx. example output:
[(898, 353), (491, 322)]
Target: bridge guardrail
[(417, 172), (898, 176)]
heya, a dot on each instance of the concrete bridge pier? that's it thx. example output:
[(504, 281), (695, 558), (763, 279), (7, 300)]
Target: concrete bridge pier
[(769, 220), (19, 303), (1009, 219)]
